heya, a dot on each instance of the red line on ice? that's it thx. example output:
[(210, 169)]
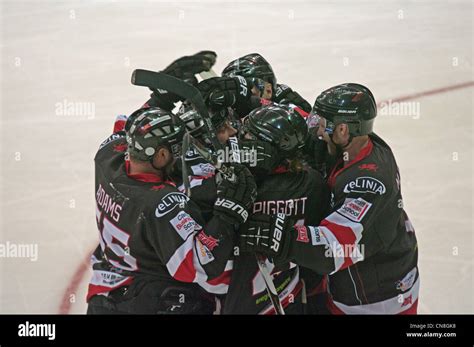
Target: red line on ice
[(84, 266), (429, 92), (74, 285)]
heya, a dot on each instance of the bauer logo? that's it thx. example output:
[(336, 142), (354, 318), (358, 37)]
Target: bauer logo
[(365, 185), (169, 203)]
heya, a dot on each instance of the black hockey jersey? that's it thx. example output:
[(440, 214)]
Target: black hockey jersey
[(302, 196), (367, 244), (147, 227)]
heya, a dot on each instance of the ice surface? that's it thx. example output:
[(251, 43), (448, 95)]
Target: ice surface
[(83, 52)]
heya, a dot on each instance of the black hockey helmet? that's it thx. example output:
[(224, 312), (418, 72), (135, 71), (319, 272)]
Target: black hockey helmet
[(251, 66), (195, 124), (349, 103), (151, 128), (279, 125)]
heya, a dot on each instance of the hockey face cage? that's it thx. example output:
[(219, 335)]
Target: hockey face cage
[(146, 135)]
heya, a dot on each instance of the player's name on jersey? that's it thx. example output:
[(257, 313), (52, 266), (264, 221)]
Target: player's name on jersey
[(19, 250), (291, 207), (108, 205)]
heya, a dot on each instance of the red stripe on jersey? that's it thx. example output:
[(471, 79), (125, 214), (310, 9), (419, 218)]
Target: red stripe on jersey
[(223, 278), (345, 236), (363, 153), (186, 271), (412, 310)]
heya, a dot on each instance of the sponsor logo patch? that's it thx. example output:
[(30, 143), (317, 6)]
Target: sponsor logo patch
[(368, 167), (191, 154), (316, 238), (184, 224), (169, 203), (207, 240), (365, 185), (204, 255), (407, 281), (355, 209), (302, 233), (203, 169)]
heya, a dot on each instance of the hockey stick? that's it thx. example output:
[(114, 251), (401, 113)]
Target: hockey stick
[(159, 80), (261, 261), (208, 74)]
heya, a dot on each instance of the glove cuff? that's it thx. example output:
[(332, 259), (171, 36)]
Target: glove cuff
[(231, 209)]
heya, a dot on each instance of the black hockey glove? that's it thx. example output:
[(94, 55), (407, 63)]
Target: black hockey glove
[(235, 198), (183, 68), (266, 234), (186, 67), (259, 156), (285, 95), (219, 92)]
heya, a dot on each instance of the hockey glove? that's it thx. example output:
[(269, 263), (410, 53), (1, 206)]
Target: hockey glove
[(186, 67), (183, 68), (285, 95), (219, 92), (235, 198), (266, 234)]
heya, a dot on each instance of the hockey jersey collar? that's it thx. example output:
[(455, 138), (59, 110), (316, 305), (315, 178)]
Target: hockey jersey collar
[(144, 177), (364, 153)]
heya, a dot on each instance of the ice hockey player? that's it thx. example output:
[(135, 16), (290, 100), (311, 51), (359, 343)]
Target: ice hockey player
[(155, 248), (300, 194), (248, 83), (367, 244), (256, 68)]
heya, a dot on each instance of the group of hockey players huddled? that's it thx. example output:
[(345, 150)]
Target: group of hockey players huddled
[(260, 205)]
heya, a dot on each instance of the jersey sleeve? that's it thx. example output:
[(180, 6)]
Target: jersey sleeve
[(347, 235), (191, 250)]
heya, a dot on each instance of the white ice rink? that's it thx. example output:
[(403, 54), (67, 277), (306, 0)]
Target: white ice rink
[(83, 52)]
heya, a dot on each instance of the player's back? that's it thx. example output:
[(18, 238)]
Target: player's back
[(127, 207), (303, 197)]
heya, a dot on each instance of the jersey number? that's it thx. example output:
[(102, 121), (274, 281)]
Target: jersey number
[(116, 240)]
